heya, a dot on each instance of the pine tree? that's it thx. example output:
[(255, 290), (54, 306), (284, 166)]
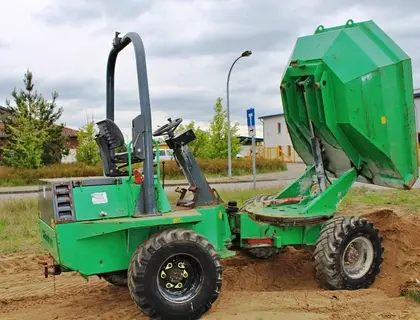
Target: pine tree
[(32, 112), (25, 142), (33, 136)]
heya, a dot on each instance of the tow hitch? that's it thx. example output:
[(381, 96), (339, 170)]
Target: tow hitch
[(51, 269)]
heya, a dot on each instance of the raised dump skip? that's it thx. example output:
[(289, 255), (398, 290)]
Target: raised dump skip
[(356, 86)]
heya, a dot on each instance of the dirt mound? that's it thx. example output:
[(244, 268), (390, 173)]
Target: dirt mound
[(402, 249), (294, 269)]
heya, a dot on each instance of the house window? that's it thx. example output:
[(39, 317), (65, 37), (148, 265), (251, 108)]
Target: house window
[(278, 127)]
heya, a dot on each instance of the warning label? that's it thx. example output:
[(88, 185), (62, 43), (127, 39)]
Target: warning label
[(99, 198)]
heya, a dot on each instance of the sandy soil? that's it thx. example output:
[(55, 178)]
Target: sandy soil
[(281, 287)]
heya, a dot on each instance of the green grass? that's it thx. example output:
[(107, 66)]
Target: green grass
[(362, 196), (19, 228), (413, 294), (411, 290)]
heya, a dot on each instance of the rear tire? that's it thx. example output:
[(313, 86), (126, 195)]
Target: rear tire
[(260, 252), (263, 252), (339, 233), (175, 274)]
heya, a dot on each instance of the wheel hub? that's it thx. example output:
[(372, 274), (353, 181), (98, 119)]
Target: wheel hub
[(358, 257), (179, 278), (174, 275)]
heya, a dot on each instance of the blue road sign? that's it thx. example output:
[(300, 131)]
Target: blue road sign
[(250, 117)]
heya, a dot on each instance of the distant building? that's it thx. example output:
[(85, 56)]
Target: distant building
[(247, 145), (276, 136), (70, 133)]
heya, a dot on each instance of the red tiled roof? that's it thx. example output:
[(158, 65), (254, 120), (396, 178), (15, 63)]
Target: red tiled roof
[(66, 131), (70, 132)]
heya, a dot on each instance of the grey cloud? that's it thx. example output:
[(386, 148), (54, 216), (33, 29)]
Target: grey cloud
[(197, 105), (79, 12), (217, 44), (265, 25), (7, 84), (67, 89)]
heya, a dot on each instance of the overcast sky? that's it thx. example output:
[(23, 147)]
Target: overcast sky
[(189, 45)]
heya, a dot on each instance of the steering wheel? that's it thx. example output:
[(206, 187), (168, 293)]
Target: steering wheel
[(168, 128)]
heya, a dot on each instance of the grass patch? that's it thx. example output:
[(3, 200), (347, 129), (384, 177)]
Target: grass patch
[(406, 199), (411, 290), (413, 294), (19, 224), (12, 177)]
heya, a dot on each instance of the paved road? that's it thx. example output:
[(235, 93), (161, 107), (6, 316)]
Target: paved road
[(218, 187), (281, 179)]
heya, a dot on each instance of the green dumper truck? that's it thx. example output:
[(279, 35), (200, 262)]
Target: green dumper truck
[(347, 95)]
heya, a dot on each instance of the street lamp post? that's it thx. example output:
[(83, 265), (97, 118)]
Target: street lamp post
[(246, 53)]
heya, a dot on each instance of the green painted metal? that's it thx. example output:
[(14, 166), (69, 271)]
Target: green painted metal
[(49, 239), (358, 88), (120, 200), (106, 245), (313, 205), (282, 236)]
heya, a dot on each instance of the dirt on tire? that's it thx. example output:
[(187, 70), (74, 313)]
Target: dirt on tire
[(281, 287)]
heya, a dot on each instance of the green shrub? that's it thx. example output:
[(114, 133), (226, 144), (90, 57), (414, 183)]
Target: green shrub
[(211, 168)]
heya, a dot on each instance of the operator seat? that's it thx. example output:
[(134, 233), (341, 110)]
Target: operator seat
[(108, 139)]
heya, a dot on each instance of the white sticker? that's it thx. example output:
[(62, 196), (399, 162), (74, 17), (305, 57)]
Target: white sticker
[(99, 198)]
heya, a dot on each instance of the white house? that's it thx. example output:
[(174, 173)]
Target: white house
[(276, 136)]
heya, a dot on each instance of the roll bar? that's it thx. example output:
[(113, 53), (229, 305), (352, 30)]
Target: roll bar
[(148, 190)]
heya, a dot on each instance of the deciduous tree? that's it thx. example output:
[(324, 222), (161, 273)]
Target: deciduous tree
[(200, 146), (87, 151), (213, 143), (218, 146)]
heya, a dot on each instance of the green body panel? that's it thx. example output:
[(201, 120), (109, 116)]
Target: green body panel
[(282, 236), (49, 240), (359, 95), (89, 201), (106, 245), (113, 201)]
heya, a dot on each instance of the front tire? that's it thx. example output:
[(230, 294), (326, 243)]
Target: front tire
[(175, 274), (334, 247)]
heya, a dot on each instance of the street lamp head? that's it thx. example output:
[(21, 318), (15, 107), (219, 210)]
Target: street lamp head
[(246, 53)]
